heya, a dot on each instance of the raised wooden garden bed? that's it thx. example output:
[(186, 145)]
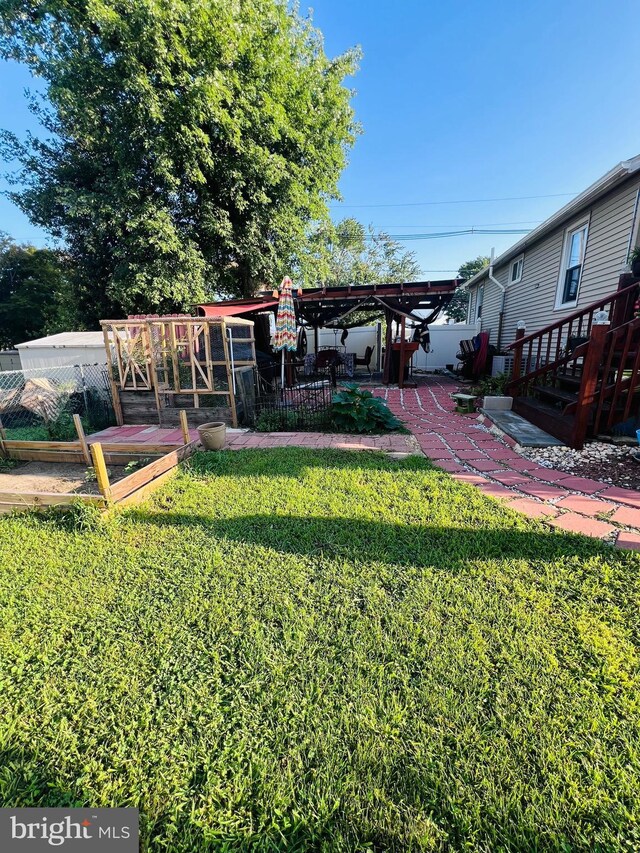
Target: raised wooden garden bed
[(129, 489)]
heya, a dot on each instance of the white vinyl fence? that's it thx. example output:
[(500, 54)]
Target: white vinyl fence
[(445, 343), (358, 339)]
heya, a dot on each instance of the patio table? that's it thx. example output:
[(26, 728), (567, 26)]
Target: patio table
[(344, 359)]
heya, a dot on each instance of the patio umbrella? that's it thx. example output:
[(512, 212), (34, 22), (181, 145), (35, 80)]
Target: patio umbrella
[(286, 332)]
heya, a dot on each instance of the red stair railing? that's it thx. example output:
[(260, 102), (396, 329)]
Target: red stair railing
[(598, 357)]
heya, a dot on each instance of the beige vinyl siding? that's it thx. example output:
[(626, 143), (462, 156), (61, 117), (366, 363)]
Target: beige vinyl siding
[(492, 305), (607, 243), (533, 298), (471, 311)]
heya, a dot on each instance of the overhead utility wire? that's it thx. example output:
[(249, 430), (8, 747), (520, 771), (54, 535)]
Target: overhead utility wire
[(458, 225), (455, 201), (438, 236)]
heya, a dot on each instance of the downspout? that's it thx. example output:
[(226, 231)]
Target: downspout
[(504, 296)]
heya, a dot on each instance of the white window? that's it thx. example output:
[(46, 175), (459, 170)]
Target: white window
[(575, 242), (479, 300), (516, 270)]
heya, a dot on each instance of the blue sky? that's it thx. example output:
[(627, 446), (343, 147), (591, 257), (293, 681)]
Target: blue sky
[(461, 101)]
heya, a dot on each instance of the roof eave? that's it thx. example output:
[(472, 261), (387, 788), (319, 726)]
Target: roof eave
[(607, 182)]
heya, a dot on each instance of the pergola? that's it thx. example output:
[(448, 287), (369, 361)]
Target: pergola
[(354, 305)]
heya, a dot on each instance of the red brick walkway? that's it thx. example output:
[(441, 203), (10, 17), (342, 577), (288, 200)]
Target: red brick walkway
[(319, 440), (463, 446)]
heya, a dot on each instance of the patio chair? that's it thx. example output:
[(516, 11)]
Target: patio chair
[(326, 358), (366, 361)]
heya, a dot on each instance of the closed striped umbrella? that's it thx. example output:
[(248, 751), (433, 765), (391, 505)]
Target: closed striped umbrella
[(286, 332)]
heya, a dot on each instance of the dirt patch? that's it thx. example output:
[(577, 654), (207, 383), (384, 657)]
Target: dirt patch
[(55, 477)]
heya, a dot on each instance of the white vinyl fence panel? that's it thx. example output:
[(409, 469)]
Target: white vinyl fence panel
[(445, 343)]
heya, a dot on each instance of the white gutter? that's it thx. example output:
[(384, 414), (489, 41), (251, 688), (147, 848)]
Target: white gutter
[(504, 297), (602, 186), (491, 277)]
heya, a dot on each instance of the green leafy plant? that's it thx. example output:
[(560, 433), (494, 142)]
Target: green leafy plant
[(7, 465), (290, 420), (357, 410), (135, 465), (78, 517), (491, 386), (61, 427), (90, 475), (269, 421)]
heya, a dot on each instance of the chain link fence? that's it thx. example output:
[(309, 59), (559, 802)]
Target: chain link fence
[(38, 404)]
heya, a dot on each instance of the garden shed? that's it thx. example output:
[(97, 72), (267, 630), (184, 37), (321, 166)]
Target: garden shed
[(63, 349), (161, 365)]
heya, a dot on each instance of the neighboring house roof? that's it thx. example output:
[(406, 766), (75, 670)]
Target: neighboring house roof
[(602, 186), (66, 339)]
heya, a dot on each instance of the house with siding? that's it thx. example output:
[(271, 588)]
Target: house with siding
[(571, 260)]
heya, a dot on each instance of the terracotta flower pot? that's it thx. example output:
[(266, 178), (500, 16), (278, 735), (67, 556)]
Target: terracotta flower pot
[(213, 435)]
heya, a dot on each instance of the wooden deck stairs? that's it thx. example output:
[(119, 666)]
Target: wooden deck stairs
[(580, 377)]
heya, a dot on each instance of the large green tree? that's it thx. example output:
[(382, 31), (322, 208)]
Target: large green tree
[(35, 293), (347, 252), (457, 308), (189, 142)]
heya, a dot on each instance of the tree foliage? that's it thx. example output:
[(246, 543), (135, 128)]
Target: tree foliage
[(457, 308), (35, 293), (190, 141), (350, 253)]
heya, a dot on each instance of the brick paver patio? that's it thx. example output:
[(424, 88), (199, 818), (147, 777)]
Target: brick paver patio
[(242, 439), (466, 448)]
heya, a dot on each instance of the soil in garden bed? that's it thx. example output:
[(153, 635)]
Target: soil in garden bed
[(58, 477)]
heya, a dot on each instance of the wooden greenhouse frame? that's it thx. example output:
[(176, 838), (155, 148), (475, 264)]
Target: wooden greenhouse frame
[(178, 356)]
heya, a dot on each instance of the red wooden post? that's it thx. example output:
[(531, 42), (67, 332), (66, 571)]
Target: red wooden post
[(388, 355), (622, 310), (517, 355), (401, 353), (589, 383)]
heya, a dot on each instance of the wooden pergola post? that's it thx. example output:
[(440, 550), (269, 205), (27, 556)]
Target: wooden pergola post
[(402, 353), (386, 372)]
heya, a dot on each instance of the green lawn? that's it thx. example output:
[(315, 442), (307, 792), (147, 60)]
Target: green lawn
[(298, 650)]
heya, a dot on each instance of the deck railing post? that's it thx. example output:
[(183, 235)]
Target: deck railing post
[(517, 353), (589, 382)]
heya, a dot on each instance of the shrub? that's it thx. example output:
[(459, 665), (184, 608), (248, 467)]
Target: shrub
[(61, 427), (357, 410), (492, 386), (292, 420)]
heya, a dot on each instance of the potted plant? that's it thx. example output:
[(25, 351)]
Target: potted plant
[(213, 435), (634, 260)]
